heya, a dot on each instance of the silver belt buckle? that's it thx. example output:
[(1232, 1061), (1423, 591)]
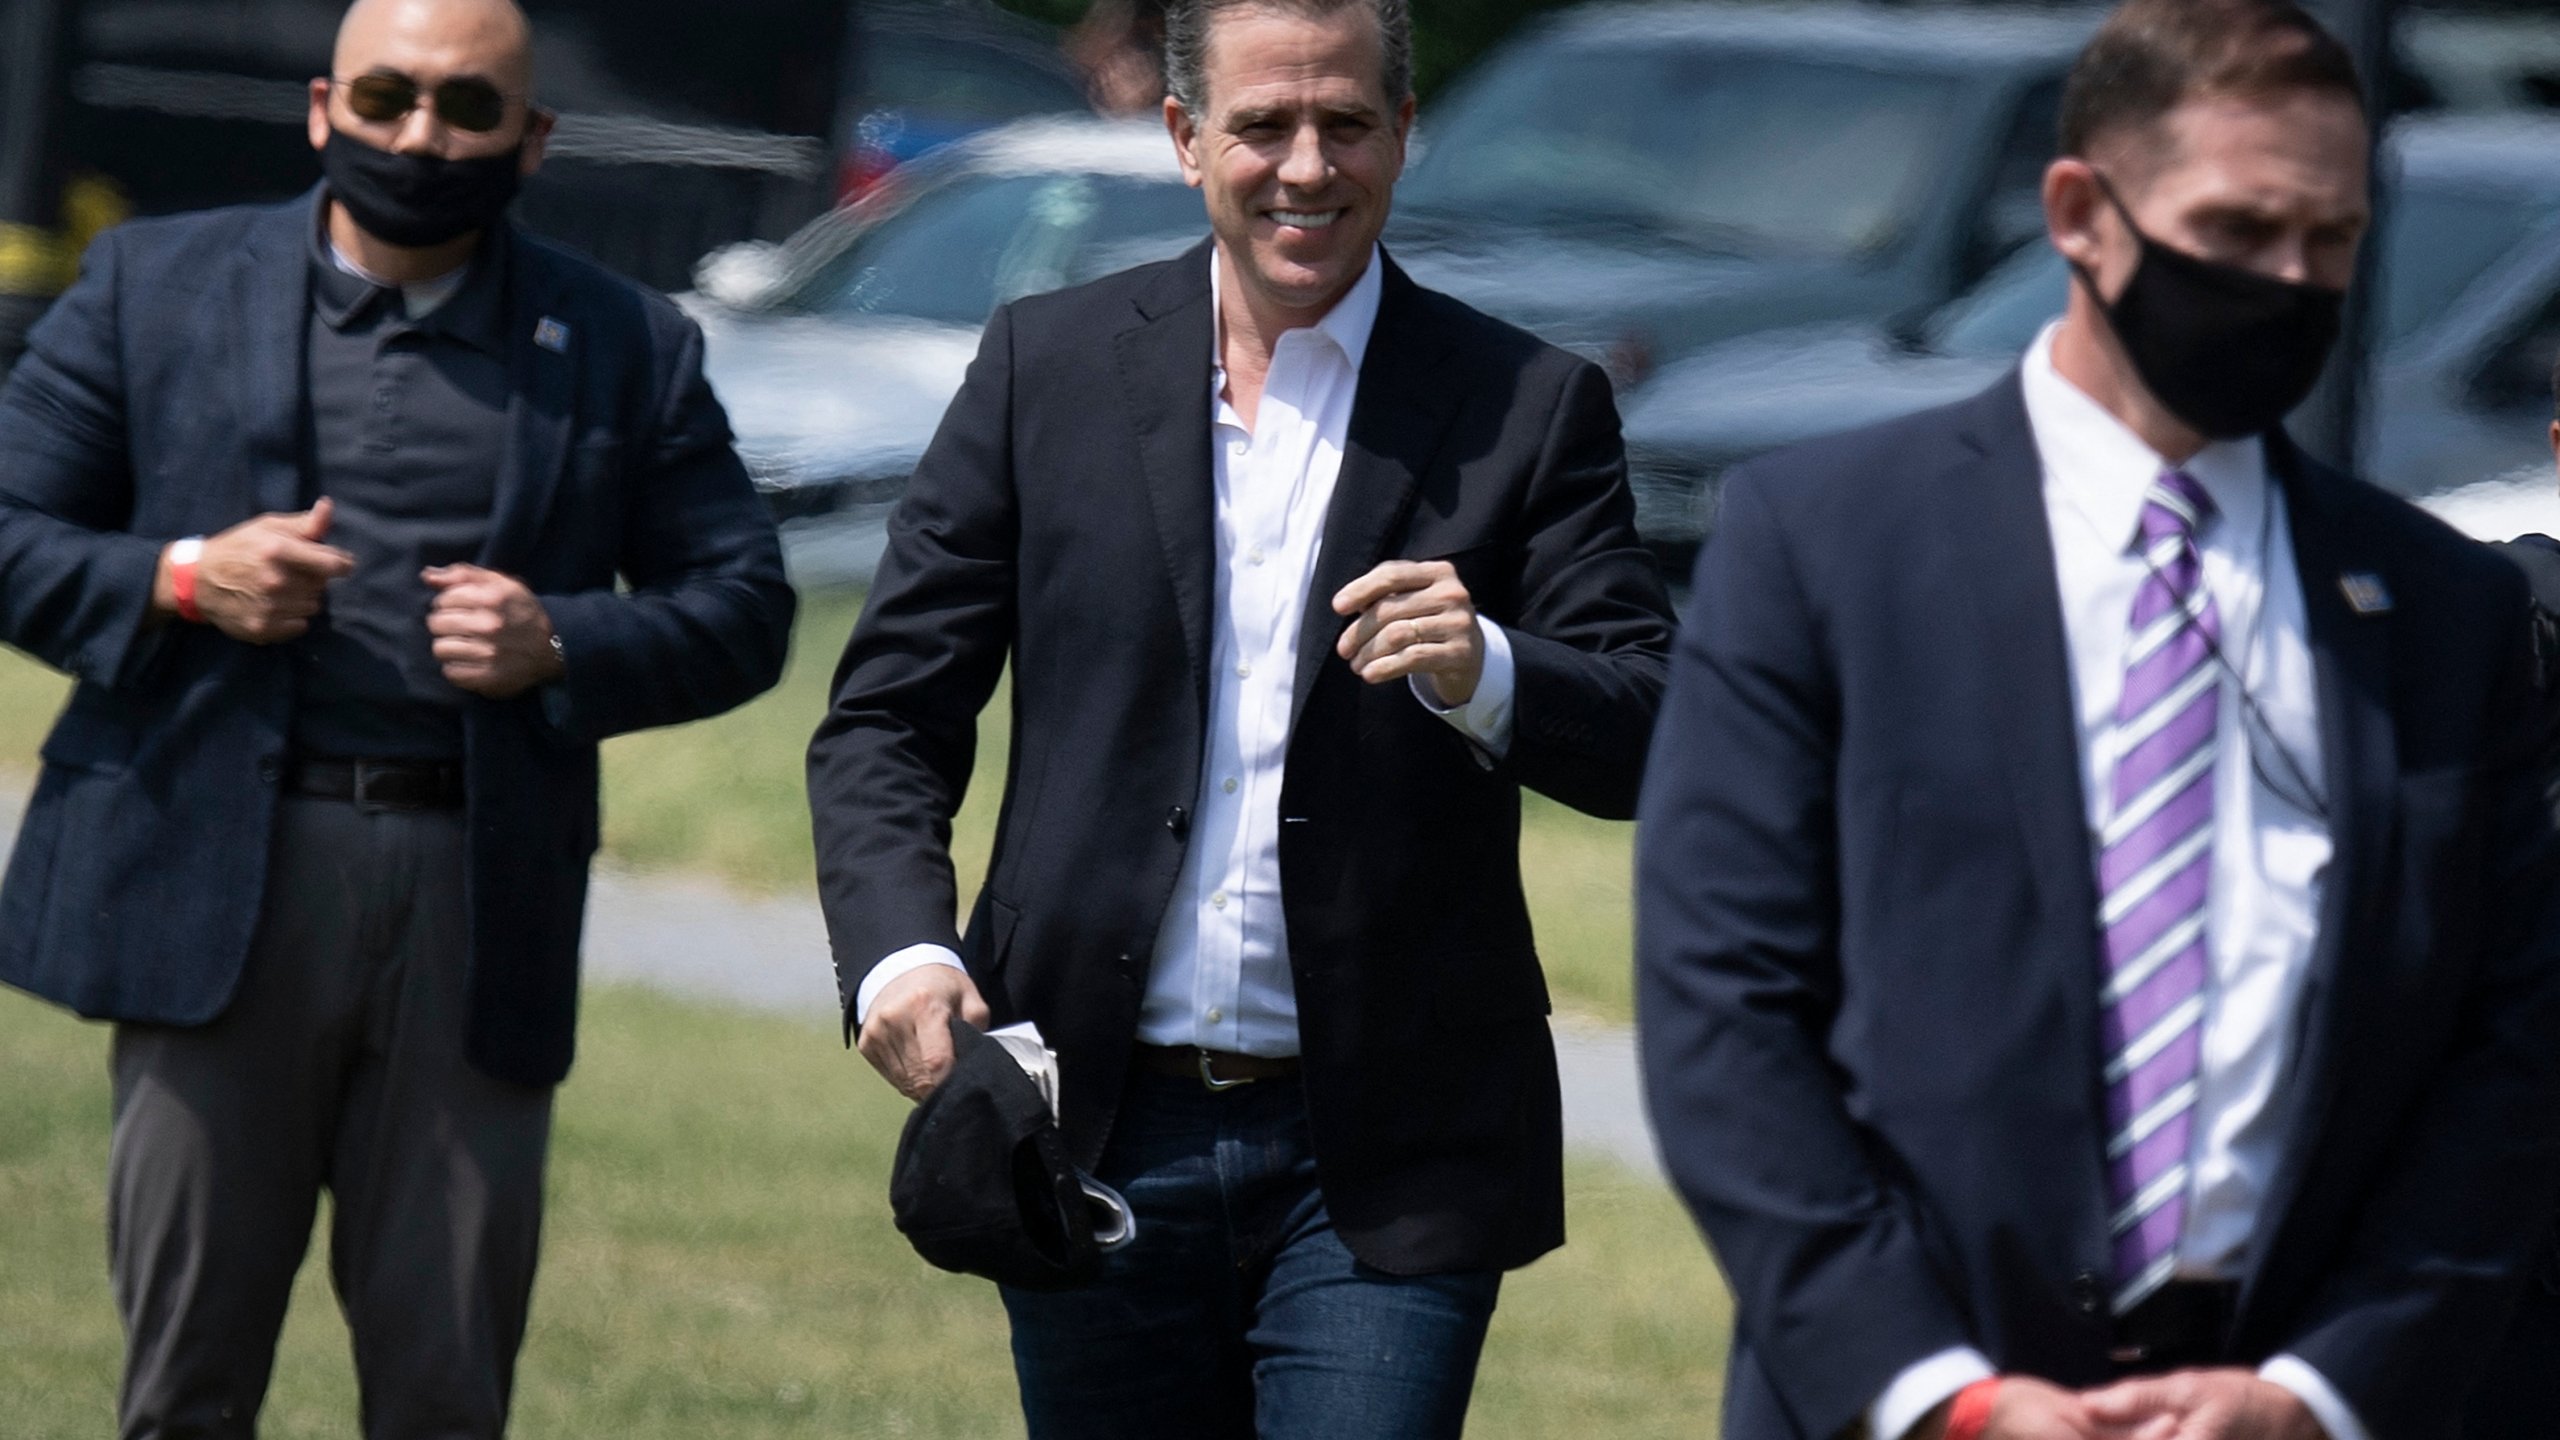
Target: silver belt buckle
[(1210, 1079)]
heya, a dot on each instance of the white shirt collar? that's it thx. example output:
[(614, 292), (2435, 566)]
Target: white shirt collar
[(2103, 468), (1348, 324), (421, 299)]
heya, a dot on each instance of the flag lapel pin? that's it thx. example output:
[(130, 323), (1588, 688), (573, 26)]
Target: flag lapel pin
[(2365, 592)]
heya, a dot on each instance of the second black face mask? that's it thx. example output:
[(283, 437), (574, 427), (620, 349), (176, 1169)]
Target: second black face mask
[(2229, 351), (418, 200)]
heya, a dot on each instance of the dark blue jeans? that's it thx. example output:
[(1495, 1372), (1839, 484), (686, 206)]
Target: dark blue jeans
[(1238, 1311)]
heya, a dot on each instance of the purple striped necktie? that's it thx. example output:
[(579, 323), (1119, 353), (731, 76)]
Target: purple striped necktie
[(2155, 855)]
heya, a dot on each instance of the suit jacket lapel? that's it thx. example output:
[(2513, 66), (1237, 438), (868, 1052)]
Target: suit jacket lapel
[(2016, 650), (1397, 420), (2003, 538), (271, 288), (544, 353), (1164, 365), (2359, 758)]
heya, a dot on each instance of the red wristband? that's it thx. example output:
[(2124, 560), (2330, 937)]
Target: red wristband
[(1972, 1410), (182, 577)]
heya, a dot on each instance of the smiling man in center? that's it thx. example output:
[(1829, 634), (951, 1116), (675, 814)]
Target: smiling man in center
[(1303, 571)]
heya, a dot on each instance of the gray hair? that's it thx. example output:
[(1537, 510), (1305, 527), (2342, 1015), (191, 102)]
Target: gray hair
[(1186, 41)]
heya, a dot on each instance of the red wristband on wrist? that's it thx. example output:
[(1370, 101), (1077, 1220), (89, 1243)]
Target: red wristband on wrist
[(1971, 1411), (182, 580)]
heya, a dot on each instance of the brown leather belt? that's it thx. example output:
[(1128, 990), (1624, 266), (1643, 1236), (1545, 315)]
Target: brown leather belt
[(380, 784), (1216, 1069)]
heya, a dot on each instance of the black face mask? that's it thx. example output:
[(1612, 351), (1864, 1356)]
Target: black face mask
[(418, 200), (2229, 351)]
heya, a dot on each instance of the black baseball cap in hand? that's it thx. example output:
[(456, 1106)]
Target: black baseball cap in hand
[(982, 1184)]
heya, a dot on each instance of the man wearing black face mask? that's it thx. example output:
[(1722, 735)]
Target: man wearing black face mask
[(361, 520), (2099, 942)]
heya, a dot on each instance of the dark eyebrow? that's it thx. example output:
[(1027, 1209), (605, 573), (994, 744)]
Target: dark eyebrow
[(1271, 115)]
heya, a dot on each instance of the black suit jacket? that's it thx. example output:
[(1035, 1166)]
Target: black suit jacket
[(2538, 556), (1869, 955), (164, 396), (1063, 520)]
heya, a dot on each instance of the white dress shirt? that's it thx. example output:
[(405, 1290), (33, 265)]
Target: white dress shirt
[(2271, 848), (1220, 978)]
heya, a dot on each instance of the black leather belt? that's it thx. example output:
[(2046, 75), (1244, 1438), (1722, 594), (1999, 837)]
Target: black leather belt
[(2182, 1324), (1216, 1069), (380, 784)]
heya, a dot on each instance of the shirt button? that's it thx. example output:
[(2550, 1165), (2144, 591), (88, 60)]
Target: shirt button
[(1255, 556), (1218, 901), (1229, 785), (1216, 1015), (1244, 669)]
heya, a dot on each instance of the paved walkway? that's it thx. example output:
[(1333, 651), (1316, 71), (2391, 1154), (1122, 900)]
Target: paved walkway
[(689, 936)]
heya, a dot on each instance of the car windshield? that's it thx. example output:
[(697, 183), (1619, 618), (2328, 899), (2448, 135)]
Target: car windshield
[(955, 81), (2442, 238), (961, 249), (1730, 150)]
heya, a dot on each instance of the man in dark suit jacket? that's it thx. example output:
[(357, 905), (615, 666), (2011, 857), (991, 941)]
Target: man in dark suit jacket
[(314, 829), (2096, 918), (2539, 555), (1303, 572)]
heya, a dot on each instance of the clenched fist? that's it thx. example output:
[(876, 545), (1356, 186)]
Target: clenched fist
[(492, 636), (1413, 618)]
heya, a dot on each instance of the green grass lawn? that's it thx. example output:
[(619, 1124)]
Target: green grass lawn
[(719, 1256), (719, 1262), (725, 796)]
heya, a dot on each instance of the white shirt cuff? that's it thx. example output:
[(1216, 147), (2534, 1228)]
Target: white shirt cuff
[(2316, 1394), (901, 962), (1923, 1388), (1486, 718)]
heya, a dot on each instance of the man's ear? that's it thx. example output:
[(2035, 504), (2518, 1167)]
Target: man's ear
[(317, 123), (2555, 442), (537, 140), (1186, 140), (2072, 201)]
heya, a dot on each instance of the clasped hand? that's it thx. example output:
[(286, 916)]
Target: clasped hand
[(2218, 1404), (262, 581)]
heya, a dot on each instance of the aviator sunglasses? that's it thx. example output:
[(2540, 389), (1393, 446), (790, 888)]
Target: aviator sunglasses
[(468, 103)]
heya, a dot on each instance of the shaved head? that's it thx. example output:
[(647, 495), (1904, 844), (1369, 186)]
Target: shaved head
[(428, 43), (439, 39), (411, 59)]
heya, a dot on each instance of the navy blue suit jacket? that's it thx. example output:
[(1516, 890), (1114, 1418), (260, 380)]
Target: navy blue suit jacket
[(163, 396), (1869, 956)]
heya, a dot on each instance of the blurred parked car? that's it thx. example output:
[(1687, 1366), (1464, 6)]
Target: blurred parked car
[(837, 351), (2467, 327), (2483, 62), (920, 74), (1637, 181)]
